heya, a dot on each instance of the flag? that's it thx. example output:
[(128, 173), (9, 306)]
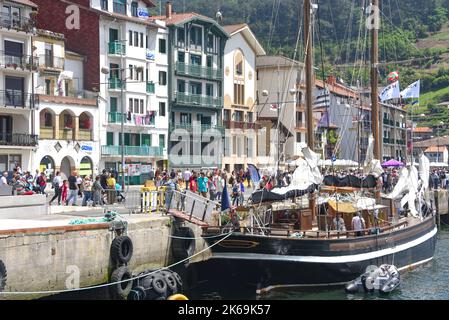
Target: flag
[(274, 107), (225, 201), (393, 76), (412, 91), (254, 172), (324, 121), (390, 92)]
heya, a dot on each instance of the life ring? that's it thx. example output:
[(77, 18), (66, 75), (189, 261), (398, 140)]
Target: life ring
[(159, 284), (178, 297), (137, 293), (120, 290), (185, 247), (3, 276), (121, 249)]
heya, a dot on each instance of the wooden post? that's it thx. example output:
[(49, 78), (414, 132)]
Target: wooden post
[(437, 211)]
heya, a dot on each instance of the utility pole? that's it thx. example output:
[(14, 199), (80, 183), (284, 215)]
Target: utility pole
[(309, 90)]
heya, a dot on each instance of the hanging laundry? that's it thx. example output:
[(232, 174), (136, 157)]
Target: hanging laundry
[(129, 116)]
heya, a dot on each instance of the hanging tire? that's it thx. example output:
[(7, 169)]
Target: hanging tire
[(171, 282), (137, 293), (159, 285), (183, 248), (178, 279), (3, 276), (120, 291), (121, 249)]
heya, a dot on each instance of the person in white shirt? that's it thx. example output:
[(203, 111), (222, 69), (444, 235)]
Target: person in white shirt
[(339, 223), (4, 180), (358, 224), (57, 186), (186, 177)]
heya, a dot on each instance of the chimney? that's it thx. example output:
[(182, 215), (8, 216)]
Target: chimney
[(168, 9), (331, 80)]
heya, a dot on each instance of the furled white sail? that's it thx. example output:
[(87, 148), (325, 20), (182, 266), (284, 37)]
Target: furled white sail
[(371, 165)]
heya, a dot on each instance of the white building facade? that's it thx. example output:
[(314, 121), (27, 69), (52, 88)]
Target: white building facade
[(240, 111)]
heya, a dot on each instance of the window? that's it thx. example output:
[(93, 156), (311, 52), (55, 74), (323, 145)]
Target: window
[(113, 104), (130, 107), (298, 137), (181, 57), (110, 138), (136, 105), (49, 55), (141, 106), (209, 89), (162, 78), (195, 60), (210, 42), (250, 117), (209, 60), (238, 116), (186, 118), (162, 46), (141, 40), (146, 42), (227, 115), (131, 71), (239, 94), (239, 68), (196, 37), (134, 8), (14, 91), (181, 37), (104, 5), (119, 6), (48, 87), (130, 36), (136, 39), (162, 140), (181, 86), (195, 88), (13, 49), (146, 140), (48, 120), (162, 109)]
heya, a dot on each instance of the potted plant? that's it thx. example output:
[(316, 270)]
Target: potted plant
[(14, 65)]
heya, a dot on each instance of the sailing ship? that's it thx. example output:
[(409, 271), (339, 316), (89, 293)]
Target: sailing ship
[(284, 237)]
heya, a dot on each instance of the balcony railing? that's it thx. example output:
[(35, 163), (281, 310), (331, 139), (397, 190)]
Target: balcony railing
[(85, 135), (228, 124), (117, 48), (140, 151), (114, 83), (16, 22), (17, 99), (191, 127), (66, 134), (46, 133), (198, 71), (18, 61), (51, 62), (116, 117), (18, 139), (198, 100)]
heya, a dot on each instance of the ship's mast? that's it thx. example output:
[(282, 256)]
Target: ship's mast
[(374, 80), (309, 88)]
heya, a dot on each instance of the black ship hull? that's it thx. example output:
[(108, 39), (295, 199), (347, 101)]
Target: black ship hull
[(270, 262)]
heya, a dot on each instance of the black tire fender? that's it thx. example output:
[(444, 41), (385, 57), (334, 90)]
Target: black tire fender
[(121, 249), (3, 276), (183, 248), (178, 279), (137, 293), (121, 289), (159, 284)]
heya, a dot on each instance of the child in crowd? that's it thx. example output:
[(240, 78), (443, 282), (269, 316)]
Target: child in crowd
[(65, 188)]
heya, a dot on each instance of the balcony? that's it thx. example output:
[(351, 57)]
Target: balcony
[(18, 139), (301, 126), (115, 84), (46, 133), (117, 48), (116, 118), (138, 151), (17, 99), (150, 87), (388, 141), (51, 62), (183, 98), (85, 135), (16, 22), (183, 69), (18, 61), (228, 124), (66, 134), (191, 127)]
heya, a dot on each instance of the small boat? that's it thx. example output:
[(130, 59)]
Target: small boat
[(383, 279)]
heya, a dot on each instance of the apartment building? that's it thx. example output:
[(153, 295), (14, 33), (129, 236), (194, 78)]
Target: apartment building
[(239, 114), (18, 104), (195, 83)]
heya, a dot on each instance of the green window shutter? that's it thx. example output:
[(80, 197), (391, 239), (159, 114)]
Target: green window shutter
[(146, 140), (138, 140), (110, 138), (162, 140), (127, 138), (113, 104)]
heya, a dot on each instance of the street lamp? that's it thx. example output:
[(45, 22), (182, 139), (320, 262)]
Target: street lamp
[(106, 70)]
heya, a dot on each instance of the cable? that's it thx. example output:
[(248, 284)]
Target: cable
[(123, 281)]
